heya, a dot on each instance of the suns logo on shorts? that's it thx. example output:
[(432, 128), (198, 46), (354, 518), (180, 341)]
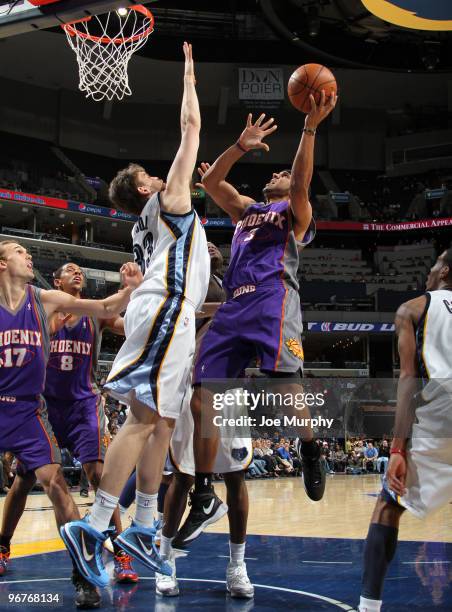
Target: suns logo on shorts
[(295, 348)]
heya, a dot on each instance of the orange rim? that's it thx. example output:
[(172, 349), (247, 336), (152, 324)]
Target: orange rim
[(72, 30)]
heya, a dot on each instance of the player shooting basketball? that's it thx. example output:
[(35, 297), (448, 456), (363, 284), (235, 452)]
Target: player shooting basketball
[(262, 313), (419, 474)]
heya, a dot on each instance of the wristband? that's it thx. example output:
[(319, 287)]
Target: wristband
[(310, 131), (241, 147), (398, 451)]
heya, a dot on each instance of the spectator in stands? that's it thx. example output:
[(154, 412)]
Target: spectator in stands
[(294, 455), (383, 456), (353, 463), (284, 458), (324, 454), (338, 459), (255, 469), (370, 457), (269, 456), (258, 457)]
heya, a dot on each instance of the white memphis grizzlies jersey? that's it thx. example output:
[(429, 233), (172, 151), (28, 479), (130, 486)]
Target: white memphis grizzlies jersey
[(434, 336), (172, 252)]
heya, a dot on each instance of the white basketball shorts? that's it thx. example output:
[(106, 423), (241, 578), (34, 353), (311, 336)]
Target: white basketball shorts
[(429, 459), (234, 454), (154, 363)]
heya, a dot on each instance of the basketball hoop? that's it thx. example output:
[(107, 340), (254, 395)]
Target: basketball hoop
[(103, 56)]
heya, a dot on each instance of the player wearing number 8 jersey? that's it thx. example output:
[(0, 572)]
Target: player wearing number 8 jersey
[(72, 396)]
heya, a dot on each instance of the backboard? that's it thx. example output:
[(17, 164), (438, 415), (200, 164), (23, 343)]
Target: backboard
[(21, 16)]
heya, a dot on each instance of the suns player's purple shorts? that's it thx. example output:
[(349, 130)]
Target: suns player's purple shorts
[(79, 426), (259, 321), (26, 432)]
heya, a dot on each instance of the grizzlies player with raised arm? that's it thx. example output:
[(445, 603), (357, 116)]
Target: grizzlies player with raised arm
[(74, 404), (419, 473), (25, 312), (152, 369), (262, 313)]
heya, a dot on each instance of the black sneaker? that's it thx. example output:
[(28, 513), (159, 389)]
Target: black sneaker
[(314, 478), (206, 508), (87, 596)]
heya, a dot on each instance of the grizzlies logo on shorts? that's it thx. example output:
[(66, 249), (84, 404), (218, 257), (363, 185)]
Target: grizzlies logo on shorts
[(239, 454)]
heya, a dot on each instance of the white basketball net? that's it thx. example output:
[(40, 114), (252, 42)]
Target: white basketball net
[(103, 57)]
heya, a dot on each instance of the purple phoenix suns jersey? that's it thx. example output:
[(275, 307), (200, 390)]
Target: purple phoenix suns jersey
[(264, 249), (72, 361), (24, 344)]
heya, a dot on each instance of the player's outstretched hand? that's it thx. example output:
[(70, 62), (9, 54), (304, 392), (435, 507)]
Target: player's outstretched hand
[(321, 110), (131, 275), (202, 169), (254, 133), (396, 474), (189, 63)]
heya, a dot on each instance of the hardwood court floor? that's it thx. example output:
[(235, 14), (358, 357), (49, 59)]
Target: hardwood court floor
[(277, 507)]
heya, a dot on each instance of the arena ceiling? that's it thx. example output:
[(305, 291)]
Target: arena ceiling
[(336, 32)]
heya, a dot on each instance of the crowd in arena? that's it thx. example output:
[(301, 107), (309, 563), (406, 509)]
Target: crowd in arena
[(273, 457), (370, 195)]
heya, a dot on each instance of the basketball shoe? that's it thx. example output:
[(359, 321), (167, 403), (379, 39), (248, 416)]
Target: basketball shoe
[(167, 586), (4, 560), (84, 544), (206, 509), (124, 572), (314, 477), (139, 542), (237, 582), (87, 596)]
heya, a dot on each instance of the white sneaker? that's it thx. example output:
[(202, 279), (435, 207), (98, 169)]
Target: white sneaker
[(237, 582), (167, 586)]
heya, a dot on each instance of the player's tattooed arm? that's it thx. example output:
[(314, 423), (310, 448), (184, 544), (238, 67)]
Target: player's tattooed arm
[(303, 165), (177, 197)]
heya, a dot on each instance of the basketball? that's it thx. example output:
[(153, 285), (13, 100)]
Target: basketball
[(307, 79)]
